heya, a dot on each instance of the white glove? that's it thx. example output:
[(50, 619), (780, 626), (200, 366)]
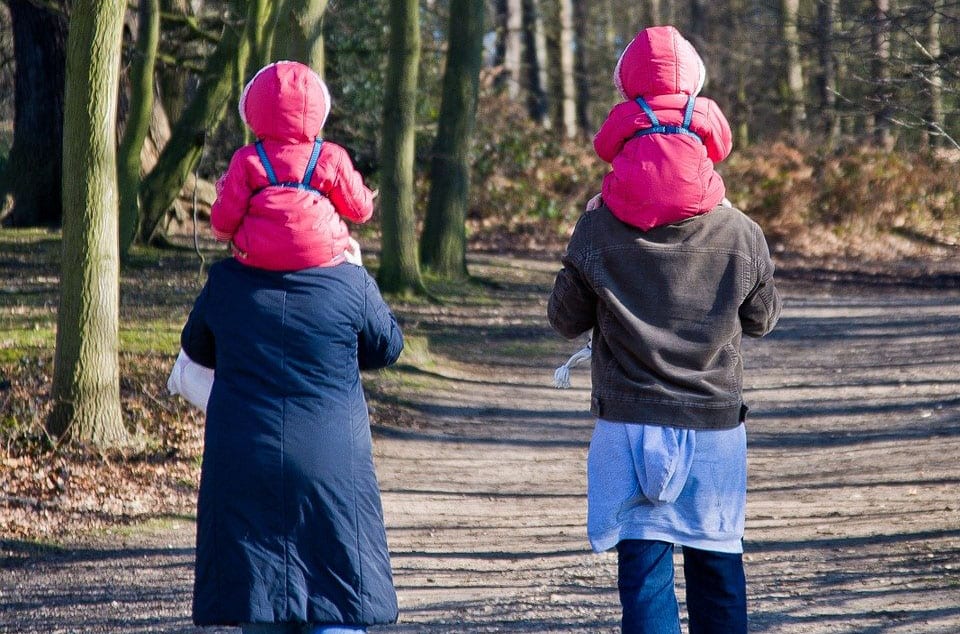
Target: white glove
[(191, 380), (352, 254)]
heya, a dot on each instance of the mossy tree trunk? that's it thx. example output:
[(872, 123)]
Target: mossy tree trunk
[(225, 66), (138, 121), (399, 266), (300, 33), (86, 381), (443, 243)]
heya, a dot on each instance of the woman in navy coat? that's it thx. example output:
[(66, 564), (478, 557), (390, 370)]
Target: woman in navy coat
[(289, 521)]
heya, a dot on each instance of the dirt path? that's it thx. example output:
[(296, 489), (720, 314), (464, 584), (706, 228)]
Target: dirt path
[(853, 512)]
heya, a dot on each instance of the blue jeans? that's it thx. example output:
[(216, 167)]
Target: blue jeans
[(716, 589), (299, 628)]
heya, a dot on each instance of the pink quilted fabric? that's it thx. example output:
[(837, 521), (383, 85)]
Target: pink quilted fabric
[(660, 179), (283, 228)]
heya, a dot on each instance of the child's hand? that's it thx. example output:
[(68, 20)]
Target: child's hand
[(352, 253), (594, 202), (237, 252)]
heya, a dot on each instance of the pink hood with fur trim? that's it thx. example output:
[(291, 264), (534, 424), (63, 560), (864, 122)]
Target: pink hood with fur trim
[(285, 228), (660, 179), (285, 101), (659, 61)]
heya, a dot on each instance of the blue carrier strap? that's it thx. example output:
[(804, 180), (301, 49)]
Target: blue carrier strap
[(307, 175), (658, 128)]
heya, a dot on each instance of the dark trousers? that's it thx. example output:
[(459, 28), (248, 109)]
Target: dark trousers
[(716, 589)]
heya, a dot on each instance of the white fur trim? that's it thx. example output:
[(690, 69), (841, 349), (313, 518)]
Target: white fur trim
[(241, 106), (703, 72), (616, 71)]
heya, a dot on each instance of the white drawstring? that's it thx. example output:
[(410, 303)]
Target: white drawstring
[(561, 378)]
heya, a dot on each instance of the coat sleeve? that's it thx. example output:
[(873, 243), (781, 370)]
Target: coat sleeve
[(350, 197), (380, 338), (619, 126), (233, 199), (760, 311), (572, 307), (716, 133), (196, 339)]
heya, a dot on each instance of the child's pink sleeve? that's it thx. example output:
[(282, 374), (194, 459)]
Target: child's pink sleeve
[(350, 197), (233, 198), (619, 126), (717, 136)]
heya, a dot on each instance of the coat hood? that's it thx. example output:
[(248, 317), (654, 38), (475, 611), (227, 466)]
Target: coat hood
[(285, 101), (659, 61)]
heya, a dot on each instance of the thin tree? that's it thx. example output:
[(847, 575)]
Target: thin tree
[(792, 86), (300, 33), (34, 165), (86, 379), (138, 121), (880, 42), (568, 83), (512, 46), (535, 47), (654, 13), (443, 245), (581, 66), (934, 48), (698, 24), (827, 77), (222, 73), (399, 265)]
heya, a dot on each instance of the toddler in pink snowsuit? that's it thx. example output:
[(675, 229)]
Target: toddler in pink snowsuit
[(282, 201), (663, 140)]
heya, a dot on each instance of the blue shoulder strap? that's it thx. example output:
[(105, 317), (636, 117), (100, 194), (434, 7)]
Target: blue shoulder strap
[(307, 175), (271, 175), (658, 128), (312, 165)]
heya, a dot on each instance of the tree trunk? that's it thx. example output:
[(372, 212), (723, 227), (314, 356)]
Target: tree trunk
[(259, 29), (300, 33), (86, 379), (399, 266), (654, 14), (172, 80), (513, 47), (792, 87), (535, 41), (138, 121), (205, 111), (443, 245), (581, 67), (33, 172), (935, 113), (827, 78), (880, 70), (568, 84), (698, 24)]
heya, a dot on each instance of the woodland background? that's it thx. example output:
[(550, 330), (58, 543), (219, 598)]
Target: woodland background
[(846, 147)]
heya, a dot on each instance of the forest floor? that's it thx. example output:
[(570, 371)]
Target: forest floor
[(853, 519)]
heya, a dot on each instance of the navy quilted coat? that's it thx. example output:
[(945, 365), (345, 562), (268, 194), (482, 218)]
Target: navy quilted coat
[(289, 520)]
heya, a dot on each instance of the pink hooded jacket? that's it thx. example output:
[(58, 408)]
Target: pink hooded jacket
[(659, 179), (280, 227)]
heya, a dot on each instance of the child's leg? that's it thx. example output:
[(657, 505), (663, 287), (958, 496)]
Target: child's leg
[(716, 592), (645, 580)]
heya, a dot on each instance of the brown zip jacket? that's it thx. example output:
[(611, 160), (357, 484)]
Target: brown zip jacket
[(668, 308)]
